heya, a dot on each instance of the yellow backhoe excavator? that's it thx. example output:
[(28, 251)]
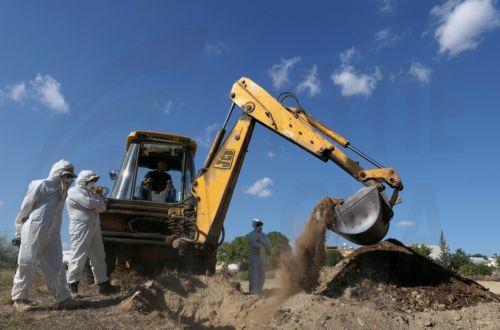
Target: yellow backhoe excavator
[(180, 224)]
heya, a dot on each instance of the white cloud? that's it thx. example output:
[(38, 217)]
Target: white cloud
[(387, 6), (420, 72), (311, 82), (405, 223), (217, 48), (260, 188), (353, 83), (205, 140), (18, 92), (2, 203), (279, 73), (386, 37), (462, 22), (275, 151), (348, 55), (44, 89), (48, 91), (167, 107)]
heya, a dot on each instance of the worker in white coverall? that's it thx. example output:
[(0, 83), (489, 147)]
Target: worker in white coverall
[(84, 206), (38, 227), (257, 243)]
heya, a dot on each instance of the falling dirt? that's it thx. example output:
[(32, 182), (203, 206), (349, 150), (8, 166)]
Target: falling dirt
[(301, 270)]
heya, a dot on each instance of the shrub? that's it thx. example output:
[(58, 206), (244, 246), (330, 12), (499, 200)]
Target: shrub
[(8, 254), (421, 249), (475, 270), (332, 257), (458, 259)]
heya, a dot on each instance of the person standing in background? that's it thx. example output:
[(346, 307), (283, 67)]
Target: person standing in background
[(257, 243)]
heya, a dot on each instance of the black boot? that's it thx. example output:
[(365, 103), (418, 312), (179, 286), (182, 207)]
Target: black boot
[(107, 288), (73, 287)]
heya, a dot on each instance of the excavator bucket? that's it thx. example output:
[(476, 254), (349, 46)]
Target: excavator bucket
[(363, 218)]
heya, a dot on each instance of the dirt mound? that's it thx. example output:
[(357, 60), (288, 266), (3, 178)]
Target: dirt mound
[(392, 276), (195, 300)]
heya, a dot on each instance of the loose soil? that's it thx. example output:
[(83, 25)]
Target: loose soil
[(301, 270), (386, 285)]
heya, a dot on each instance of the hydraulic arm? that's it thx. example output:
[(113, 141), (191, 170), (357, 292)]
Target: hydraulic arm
[(363, 218)]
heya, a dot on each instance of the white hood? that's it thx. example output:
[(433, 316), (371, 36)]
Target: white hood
[(59, 167)]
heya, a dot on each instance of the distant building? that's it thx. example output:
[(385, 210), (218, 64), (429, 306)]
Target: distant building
[(492, 262), (479, 260), (222, 266), (344, 250), (233, 268)]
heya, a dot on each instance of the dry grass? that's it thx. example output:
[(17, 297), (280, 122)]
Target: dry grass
[(492, 278), (6, 278)]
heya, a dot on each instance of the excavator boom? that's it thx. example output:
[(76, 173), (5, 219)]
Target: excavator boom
[(362, 218)]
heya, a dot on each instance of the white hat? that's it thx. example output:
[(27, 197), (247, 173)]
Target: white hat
[(256, 221)]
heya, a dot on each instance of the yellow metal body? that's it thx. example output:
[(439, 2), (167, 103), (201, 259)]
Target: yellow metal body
[(150, 136), (214, 187)]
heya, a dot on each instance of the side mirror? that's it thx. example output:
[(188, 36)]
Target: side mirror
[(113, 174)]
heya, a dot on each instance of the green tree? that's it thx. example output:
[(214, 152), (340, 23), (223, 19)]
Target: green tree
[(458, 259), (422, 249), (8, 254), (332, 257), (498, 262), (235, 252), (475, 270), (223, 252), (444, 255), (279, 244)]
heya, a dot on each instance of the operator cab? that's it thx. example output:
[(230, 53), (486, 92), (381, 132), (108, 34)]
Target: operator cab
[(157, 168)]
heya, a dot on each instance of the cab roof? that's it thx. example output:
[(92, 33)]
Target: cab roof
[(151, 136)]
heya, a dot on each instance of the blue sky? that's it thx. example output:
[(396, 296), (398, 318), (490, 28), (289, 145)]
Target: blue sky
[(413, 84)]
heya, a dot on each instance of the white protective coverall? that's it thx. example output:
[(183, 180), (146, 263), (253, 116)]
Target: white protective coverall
[(84, 207), (38, 224), (257, 243)]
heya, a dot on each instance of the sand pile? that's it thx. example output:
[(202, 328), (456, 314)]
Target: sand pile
[(392, 276), (195, 300)]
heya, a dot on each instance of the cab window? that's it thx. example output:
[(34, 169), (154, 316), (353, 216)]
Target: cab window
[(155, 172)]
